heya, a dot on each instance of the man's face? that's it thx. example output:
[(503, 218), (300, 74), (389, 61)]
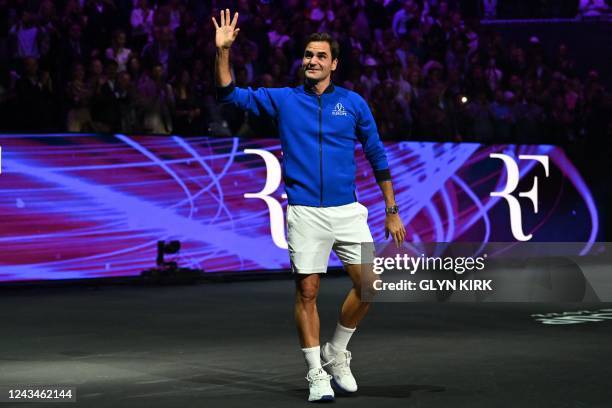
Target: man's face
[(30, 66), (165, 37), (26, 18), (317, 61), (124, 80), (111, 71), (96, 67), (157, 72), (75, 32), (121, 39)]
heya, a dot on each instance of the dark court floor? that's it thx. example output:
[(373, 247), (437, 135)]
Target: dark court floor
[(234, 345)]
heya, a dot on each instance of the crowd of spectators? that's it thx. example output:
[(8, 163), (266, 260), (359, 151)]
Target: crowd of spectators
[(545, 9), (428, 70)]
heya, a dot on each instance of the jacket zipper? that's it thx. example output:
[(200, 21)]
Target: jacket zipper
[(320, 148)]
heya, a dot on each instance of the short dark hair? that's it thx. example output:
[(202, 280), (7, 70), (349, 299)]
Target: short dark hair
[(333, 44)]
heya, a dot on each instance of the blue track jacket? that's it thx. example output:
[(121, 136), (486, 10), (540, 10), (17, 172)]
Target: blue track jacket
[(318, 136)]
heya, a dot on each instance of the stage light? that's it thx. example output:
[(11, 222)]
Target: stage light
[(172, 247), (169, 272)]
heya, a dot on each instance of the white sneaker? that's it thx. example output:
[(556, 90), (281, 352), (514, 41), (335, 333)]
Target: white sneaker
[(338, 364), (319, 386)]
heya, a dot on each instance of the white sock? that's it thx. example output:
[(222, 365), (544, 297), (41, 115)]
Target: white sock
[(341, 337), (313, 357)]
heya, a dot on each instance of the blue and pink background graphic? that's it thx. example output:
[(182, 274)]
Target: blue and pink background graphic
[(84, 206)]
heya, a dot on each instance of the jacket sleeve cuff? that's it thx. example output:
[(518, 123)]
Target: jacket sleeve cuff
[(382, 175), (224, 91)]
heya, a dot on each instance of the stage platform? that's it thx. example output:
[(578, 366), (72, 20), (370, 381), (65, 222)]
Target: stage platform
[(235, 345)]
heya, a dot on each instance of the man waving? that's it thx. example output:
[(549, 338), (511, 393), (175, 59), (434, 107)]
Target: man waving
[(319, 124)]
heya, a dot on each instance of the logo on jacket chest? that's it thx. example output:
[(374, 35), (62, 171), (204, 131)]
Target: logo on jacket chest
[(339, 110)]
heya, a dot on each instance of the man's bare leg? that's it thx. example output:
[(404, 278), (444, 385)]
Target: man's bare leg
[(306, 313), (334, 354), (307, 321), (353, 309)]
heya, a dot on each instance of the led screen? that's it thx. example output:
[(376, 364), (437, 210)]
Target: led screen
[(83, 206)]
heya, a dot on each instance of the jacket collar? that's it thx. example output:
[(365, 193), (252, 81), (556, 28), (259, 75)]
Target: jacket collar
[(309, 89)]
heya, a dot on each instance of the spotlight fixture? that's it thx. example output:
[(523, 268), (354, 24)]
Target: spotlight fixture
[(172, 247), (167, 272)]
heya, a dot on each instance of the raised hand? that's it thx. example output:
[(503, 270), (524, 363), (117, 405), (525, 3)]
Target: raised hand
[(226, 32)]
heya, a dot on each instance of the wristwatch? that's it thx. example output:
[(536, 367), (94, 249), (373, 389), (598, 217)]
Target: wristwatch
[(394, 209)]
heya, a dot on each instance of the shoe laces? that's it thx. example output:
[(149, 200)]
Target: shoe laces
[(317, 376)]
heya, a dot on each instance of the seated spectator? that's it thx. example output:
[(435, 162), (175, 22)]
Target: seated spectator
[(538, 70), (593, 8), (186, 37), (158, 101), (403, 87), (564, 62), (126, 105), (432, 73), (73, 48), (416, 88), (118, 52), (490, 9), (529, 118), (187, 113), (96, 73), (503, 115), (49, 23), (35, 97), (73, 14), (78, 93), (161, 51), (493, 74), (175, 11), (405, 18), (141, 21), (278, 36), (26, 37), (134, 68), (480, 119), (103, 100), (437, 114), (101, 22), (250, 62), (398, 116), (322, 13), (369, 78)]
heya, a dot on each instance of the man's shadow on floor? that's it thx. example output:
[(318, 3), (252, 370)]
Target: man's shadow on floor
[(380, 391), (392, 391), (246, 380)]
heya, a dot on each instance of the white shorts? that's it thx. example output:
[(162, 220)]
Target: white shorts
[(312, 232)]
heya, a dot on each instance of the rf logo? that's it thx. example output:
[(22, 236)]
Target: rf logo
[(277, 218), (512, 170)]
